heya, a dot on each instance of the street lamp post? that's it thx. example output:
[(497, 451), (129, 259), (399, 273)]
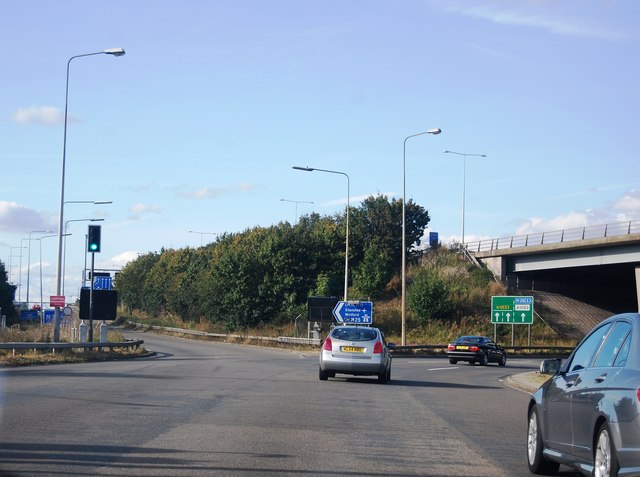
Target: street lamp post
[(29, 257), (346, 254), (202, 234), (56, 323), (296, 202), (404, 234), (464, 180), (11, 261), (41, 298)]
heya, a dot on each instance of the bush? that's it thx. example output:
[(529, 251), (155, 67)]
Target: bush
[(429, 297)]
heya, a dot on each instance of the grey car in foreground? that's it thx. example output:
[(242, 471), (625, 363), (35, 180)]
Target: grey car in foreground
[(355, 350), (587, 415)]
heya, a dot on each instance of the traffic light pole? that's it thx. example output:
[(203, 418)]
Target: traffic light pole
[(93, 261)]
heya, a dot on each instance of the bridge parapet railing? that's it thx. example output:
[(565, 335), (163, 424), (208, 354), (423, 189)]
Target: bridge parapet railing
[(556, 236)]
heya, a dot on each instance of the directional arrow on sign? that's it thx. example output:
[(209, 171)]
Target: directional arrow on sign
[(336, 312)]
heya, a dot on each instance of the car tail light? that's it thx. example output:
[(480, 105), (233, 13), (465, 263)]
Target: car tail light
[(327, 345), (377, 348), (638, 394), (473, 348), (451, 347)]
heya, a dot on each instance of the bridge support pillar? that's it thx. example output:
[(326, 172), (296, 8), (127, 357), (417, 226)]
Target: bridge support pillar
[(498, 265)]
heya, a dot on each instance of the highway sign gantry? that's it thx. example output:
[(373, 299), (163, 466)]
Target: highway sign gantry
[(516, 310), (354, 312)]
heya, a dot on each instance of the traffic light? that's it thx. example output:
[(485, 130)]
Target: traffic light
[(93, 236)]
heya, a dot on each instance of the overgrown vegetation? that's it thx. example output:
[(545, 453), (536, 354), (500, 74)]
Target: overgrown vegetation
[(264, 276), (31, 333), (257, 282)]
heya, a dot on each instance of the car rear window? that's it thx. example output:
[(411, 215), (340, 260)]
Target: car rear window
[(355, 334), (469, 339)]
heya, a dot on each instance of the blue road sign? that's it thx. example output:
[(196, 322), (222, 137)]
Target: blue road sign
[(29, 315), (354, 312), (101, 283)]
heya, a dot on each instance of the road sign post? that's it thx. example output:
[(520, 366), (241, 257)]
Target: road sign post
[(513, 310)]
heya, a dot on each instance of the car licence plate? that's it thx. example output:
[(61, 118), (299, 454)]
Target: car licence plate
[(462, 347), (351, 349)]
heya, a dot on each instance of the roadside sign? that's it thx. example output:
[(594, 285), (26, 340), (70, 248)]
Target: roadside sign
[(101, 283), (56, 301), (29, 315), (354, 312), (516, 310)]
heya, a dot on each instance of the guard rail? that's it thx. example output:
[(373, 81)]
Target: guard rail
[(514, 350), (59, 346)]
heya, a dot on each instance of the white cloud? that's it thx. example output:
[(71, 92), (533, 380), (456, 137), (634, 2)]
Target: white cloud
[(186, 192), (144, 209), (40, 115), (122, 259), (568, 221), (629, 203), (542, 15), (20, 219), (623, 209)]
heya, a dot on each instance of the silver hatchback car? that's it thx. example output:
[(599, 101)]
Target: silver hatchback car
[(356, 350), (587, 415)]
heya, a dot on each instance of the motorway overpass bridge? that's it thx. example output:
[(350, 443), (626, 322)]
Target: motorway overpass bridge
[(599, 265)]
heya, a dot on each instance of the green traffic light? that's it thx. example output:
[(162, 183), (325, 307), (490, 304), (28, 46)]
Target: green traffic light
[(93, 247)]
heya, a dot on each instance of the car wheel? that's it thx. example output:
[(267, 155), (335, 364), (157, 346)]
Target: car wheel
[(503, 360), (484, 360), (383, 377), (453, 361), (322, 375), (537, 462), (389, 374), (605, 463)]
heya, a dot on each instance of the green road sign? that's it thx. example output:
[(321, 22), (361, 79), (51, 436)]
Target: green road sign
[(517, 310)]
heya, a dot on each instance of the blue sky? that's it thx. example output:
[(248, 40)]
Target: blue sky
[(197, 127)]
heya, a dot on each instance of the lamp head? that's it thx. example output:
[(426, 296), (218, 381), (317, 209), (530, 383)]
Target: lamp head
[(434, 131), (115, 51), (307, 169)]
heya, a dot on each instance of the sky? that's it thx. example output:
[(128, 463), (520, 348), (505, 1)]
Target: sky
[(195, 130)]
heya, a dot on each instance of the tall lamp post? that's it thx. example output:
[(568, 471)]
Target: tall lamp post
[(464, 181), (39, 239), (296, 202), (202, 234), (56, 322), (29, 257), (11, 261), (346, 254), (404, 234)]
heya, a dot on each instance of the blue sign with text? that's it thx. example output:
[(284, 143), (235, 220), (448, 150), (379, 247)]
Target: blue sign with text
[(354, 312)]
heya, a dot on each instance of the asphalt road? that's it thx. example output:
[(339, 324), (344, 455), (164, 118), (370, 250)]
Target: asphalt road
[(199, 409)]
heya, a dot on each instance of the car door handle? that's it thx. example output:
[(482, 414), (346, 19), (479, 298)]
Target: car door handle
[(601, 378)]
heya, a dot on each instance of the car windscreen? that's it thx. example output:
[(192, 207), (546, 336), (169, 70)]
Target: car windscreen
[(355, 334)]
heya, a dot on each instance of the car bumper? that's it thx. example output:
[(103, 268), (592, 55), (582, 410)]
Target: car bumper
[(370, 366), (464, 355)]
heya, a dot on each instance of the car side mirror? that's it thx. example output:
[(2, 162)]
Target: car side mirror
[(391, 346), (550, 366)]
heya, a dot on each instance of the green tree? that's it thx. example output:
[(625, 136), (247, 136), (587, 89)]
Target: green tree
[(374, 272), (130, 281), (7, 294), (428, 297)]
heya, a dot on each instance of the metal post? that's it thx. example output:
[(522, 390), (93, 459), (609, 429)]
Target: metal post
[(93, 261)]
